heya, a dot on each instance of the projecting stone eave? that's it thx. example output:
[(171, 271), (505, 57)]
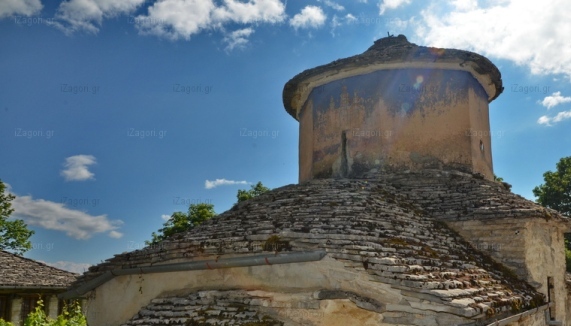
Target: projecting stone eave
[(392, 53)]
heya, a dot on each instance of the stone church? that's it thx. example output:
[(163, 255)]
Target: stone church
[(396, 220)]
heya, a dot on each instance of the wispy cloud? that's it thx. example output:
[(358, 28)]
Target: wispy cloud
[(237, 39), (391, 4), (350, 18), (548, 121), (554, 100), (340, 21), (507, 29), (309, 17), (165, 217), (19, 7), (333, 5), (55, 216), (88, 15), (76, 168), (222, 182), (69, 266)]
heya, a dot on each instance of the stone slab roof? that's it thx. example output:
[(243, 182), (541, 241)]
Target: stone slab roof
[(242, 307), (205, 308), (456, 196), (24, 273), (387, 226), (392, 53)]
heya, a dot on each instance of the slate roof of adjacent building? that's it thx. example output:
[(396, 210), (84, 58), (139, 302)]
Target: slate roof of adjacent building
[(388, 226), (389, 51), (19, 272)]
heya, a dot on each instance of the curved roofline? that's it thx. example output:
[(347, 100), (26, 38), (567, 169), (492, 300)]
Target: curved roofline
[(392, 53), (76, 291)]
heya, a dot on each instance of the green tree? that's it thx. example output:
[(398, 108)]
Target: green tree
[(14, 235), (180, 221), (498, 179), (555, 193), (254, 191)]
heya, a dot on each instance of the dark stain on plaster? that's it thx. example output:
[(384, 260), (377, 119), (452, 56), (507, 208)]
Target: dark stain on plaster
[(344, 168), (402, 90)]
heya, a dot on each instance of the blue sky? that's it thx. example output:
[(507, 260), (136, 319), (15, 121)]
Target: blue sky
[(115, 114)]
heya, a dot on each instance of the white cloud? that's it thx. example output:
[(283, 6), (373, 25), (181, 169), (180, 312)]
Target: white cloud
[(180, 19), (165, 217), (333, 5), (465, 5), (115, 234), (310, 16), (536, 38), (350, 18), (176, 19), (69, 266), (76, 168), (55, 216), (172, 19), (237, 39), (252, 11), (222, 182), (391, 4), (19, 7), (548, 121), (554, 100), (88, 15)]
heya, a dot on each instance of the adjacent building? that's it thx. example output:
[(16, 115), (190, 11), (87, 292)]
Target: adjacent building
[(23, 281)]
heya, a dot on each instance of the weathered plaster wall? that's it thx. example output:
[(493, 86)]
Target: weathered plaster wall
[(532, 248), (537, 319), (16, 311), (480, 134), (132, 293), (410, 118), (545, 257)]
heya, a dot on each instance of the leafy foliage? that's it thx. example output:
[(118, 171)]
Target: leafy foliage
[(254, 191), (14, 235), (567, 256), (71, 316), (198, 214), (5, 323), (498, 179), (556, 192), (180, 222)]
